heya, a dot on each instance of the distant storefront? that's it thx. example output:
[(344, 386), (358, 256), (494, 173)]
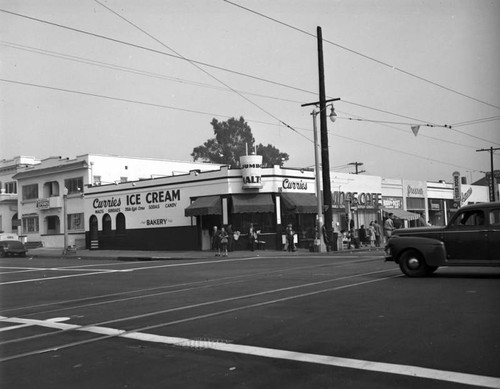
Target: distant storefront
[(357, 200)]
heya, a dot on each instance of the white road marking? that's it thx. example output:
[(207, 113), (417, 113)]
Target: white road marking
[(109, 271), (381, 367)]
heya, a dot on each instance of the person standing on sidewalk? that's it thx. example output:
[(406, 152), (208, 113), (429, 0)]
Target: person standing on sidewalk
[(230, 244), (371, 228), (252, 236), (223, 237), (378, 233), (389, 226)]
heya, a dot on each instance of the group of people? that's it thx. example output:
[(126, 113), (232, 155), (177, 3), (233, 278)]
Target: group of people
[(222, 240), (371, 235)]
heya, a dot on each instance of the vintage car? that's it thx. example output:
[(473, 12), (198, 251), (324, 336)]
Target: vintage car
[(471, 238), (12, 247)]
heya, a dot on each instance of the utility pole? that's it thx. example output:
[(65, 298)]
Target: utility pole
[(325, 158), (356, 164), (492, 179)]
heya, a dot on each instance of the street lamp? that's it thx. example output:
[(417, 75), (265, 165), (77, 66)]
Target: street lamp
[(65, 220), (317, 155)]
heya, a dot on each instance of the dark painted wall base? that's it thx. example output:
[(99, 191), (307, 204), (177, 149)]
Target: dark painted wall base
[(172, 238)]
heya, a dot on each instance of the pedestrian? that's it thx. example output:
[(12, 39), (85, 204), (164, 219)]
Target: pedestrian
[(230, 243), (362, 234), (289, 232), (378, 233), (252, 237), (215, 240), (223, 237), (389, 226), (371, 229)]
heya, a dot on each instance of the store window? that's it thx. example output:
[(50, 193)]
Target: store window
[(263, 222), (30, 224), (30, 192), (74, 185), (120, 223), (106, 224), (75, 222)]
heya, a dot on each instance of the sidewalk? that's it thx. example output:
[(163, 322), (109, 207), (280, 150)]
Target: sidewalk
[(138, 255)]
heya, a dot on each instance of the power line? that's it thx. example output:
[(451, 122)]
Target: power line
[(106, 65), (202, 70), (210, 65), (215, 115), (126, 69), (392, 67)]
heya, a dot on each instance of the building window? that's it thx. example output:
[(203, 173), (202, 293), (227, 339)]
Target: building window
[(30, 192), (75, 222), (53, 224), (11, 187), (30, 224), (51, 189), (123, 179), (74, 185)]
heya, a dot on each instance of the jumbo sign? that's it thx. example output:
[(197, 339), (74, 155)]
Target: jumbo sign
[(251, 171)]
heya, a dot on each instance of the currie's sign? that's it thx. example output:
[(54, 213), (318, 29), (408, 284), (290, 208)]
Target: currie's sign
[(251, 171), (137, 202)]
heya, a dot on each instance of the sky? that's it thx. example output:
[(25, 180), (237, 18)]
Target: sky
[(145, 79)]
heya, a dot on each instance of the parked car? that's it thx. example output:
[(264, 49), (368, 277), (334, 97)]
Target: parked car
[(471, 238), (12, 247)]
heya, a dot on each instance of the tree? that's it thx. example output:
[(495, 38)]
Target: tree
[(231, 140)]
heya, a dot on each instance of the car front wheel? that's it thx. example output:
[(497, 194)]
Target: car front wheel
[(412, 263)]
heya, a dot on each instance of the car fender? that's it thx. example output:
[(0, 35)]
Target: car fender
[(433, 250)]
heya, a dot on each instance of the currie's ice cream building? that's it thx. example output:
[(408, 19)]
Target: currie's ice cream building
[(179, 212)]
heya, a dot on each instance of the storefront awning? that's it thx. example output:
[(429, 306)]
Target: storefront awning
[(209, 205), (253, 203), (299, 202), (401, 214)]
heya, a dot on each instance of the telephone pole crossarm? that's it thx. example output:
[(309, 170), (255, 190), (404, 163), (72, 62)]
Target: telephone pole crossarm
[(492, 178)]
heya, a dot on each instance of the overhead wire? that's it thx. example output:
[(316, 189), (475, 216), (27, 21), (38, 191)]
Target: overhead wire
[(106, 65), (213, 115), (210, 65), (392, 67), (165, 106)]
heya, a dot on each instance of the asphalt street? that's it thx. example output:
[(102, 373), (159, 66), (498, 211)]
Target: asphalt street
[(251, 320)]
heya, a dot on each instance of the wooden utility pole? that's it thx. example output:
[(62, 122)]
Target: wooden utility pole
[(492, 178), (356, 164), (325, 158)]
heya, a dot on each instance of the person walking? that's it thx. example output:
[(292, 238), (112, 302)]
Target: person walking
[(289, 232)]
